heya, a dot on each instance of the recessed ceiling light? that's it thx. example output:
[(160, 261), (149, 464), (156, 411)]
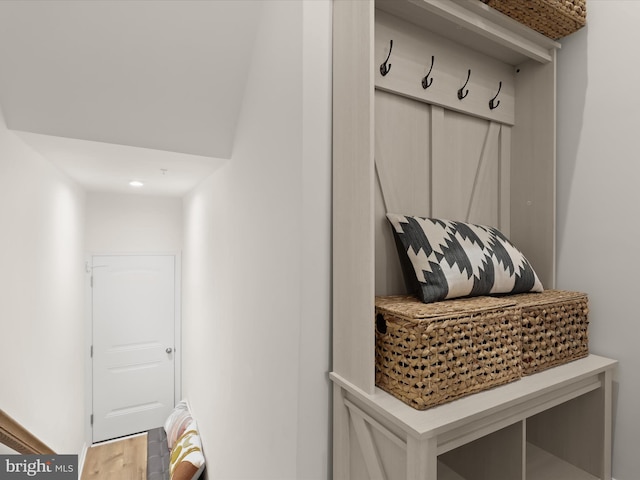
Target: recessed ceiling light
[(136, 183)]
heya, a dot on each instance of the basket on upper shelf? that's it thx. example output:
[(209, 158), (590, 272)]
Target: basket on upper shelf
[(552, 18)]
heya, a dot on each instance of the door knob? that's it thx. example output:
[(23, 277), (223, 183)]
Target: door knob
[(169, 350)]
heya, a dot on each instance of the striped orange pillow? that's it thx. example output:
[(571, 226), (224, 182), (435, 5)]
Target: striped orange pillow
[(187, 460)]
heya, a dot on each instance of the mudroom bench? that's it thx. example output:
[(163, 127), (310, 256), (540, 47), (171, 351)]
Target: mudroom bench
[(447, 110), (550, 425)]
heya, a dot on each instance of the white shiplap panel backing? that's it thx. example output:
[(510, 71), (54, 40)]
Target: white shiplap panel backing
[(434, 162), (437, 155)]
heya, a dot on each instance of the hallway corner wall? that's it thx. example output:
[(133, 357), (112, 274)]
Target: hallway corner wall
[(41, 296), (597, 205), (256, 264)]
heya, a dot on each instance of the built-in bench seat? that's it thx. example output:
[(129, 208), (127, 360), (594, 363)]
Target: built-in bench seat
[(158, 455), (174, 452)]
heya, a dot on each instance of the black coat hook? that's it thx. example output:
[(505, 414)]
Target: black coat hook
[(460, 94), (426, 81), (492, 103), (384, 68)]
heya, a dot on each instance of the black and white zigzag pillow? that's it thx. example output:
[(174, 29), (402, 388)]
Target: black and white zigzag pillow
[(454, 259)]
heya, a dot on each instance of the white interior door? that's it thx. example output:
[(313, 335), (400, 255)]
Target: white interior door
[(134, 314)]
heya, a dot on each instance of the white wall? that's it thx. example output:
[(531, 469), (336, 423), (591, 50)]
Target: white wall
[(4, 450), (256, 319), (117, 223), (41, 296), (598, 171)]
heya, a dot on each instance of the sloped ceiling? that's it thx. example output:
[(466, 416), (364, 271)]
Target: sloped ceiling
[(108, 167), (153, 74)]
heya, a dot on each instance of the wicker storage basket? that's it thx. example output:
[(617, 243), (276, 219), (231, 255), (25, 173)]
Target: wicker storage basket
[(429, 354), (552, 18), (554, 328)]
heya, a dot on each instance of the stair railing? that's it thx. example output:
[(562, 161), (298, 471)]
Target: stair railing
[(15, 436)]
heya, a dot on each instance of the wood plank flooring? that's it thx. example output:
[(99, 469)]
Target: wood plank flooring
[(124, 459)]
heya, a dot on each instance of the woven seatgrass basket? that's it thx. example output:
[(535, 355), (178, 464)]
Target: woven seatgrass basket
[(554, 328), (553, 18), (431, 353)]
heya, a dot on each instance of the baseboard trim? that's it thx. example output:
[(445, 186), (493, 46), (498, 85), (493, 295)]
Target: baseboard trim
[(83, 455)]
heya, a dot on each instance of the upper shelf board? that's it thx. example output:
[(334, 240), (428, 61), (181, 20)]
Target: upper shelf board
[(473, 24)]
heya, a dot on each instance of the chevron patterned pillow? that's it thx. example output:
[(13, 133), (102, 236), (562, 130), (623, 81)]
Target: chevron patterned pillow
[(446, 259)]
